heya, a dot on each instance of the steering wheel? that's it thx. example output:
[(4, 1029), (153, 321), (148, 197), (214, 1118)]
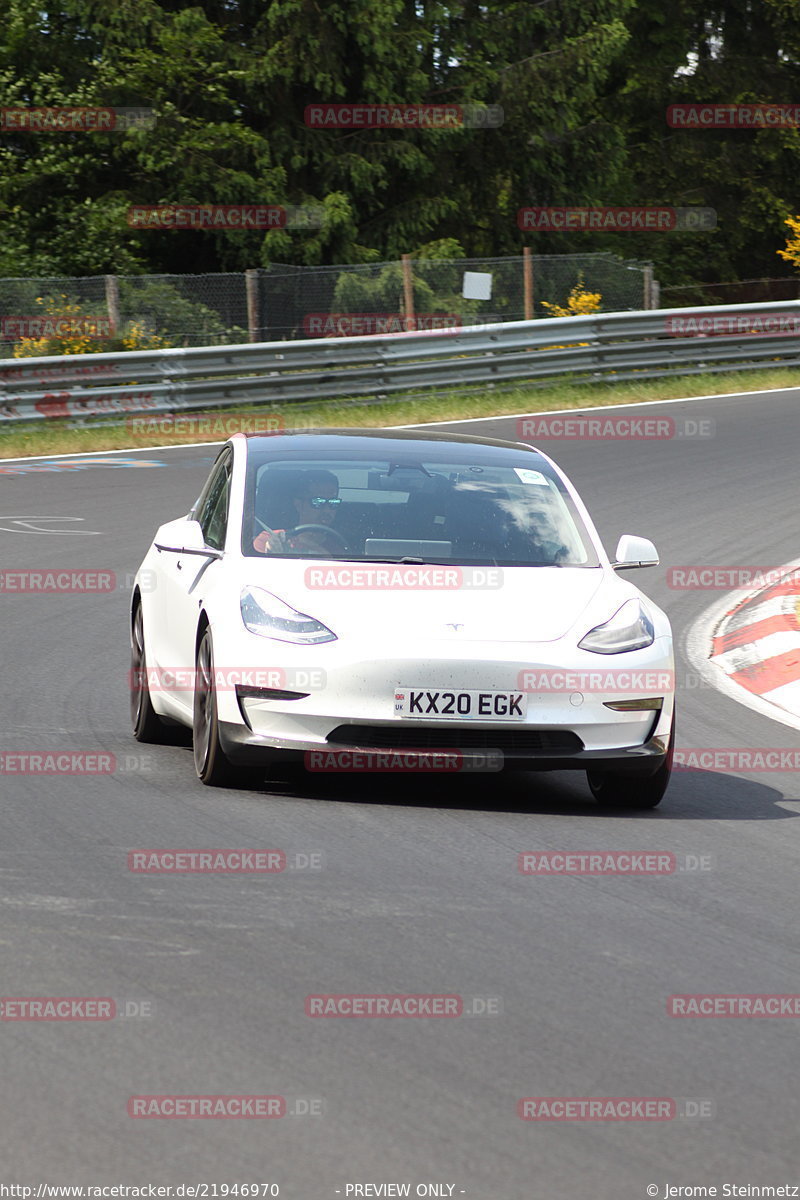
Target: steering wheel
[(318, 529)]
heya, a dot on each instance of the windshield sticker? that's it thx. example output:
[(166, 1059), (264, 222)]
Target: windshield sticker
[(525, 475)]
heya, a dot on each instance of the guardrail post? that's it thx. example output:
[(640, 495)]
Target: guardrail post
[(647, 286)]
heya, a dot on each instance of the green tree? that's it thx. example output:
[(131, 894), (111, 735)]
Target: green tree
[(230, 80), (728, 52)]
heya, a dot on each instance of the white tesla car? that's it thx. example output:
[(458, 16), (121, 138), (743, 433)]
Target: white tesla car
[(385, 600)]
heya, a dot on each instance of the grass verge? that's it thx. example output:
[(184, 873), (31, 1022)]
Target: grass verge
[(63, 437)]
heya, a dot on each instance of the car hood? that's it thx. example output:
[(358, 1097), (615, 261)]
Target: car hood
[(519, 604)]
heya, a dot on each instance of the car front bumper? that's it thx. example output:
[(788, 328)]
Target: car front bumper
[(246, 748), (578, 730)]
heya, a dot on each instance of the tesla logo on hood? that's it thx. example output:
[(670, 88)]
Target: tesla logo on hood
[(455, 628)]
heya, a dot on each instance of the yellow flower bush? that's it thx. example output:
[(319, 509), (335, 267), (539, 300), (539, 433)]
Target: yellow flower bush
[(75, 338), (70, 330), (579, 302), (792, 251), (138, 337)]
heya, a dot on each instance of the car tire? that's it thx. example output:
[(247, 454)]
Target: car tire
[(147, 725), (211, 765), (633, 791)]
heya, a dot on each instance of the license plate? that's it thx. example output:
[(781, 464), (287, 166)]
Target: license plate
[(460, 706)]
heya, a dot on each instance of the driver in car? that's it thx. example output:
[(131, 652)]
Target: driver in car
[(316, 502)]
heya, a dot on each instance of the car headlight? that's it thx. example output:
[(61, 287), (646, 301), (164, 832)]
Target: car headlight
[(630, 628), (269, 617)]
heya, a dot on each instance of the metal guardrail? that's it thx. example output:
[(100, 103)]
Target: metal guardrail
[(620, 345)]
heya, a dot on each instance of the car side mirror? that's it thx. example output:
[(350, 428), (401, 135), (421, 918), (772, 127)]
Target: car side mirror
[(184, 537), (634, 552)]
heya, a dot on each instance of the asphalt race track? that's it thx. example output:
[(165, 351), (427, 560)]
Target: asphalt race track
[(417, 892)]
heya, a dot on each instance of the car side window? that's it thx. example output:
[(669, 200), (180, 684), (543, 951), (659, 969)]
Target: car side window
[(200, 503), (213, 511)]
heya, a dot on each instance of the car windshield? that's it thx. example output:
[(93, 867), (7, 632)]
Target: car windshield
[(381, 508)]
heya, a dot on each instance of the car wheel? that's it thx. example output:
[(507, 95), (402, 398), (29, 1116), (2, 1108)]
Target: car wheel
[(212, 767), (632, 791), (147, 725)]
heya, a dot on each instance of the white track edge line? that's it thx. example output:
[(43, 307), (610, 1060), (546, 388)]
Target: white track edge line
[(600, 407), (423, 424)]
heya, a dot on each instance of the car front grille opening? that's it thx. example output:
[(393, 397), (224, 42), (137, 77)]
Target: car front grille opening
[(459, 737)]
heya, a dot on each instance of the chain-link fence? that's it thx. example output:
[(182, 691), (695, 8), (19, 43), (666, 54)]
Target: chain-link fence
[(372, 298), (70, 315), (742, 291), (118, 312)]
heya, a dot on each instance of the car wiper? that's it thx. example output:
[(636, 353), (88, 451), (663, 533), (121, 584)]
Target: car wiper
[(417, 562)]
